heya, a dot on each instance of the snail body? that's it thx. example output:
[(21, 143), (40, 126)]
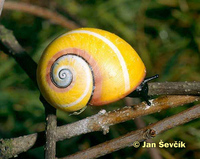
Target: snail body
[(88, 66)]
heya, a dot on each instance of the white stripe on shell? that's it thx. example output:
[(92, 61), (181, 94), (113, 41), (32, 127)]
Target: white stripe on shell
[(114, 48), (88, 81)]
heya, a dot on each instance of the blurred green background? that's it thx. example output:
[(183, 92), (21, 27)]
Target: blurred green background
[(166, 35)]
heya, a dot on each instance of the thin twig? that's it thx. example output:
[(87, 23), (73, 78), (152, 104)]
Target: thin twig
[(41, 12), (12, 147), (51, 125), (98, 122), (174, 88), (1, 6), (138, 135), (63, 10), (11, 47), (102, 120)]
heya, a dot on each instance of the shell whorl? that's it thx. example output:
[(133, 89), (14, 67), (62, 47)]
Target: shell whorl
[(70, 81), (61, 76)]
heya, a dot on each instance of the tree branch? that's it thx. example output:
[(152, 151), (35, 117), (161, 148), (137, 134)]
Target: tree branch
[(41, 12), (51, 125), (138, 135), (102, 120), (12, 147), (11, 47), (174, 88), (98, 122)]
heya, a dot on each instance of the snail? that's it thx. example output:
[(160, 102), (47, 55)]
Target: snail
[(89, 66)]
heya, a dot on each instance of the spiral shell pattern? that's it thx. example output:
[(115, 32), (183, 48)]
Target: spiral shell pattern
[(88, 66)]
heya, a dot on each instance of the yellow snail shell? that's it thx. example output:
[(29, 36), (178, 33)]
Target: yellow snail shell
[(88, 66)]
